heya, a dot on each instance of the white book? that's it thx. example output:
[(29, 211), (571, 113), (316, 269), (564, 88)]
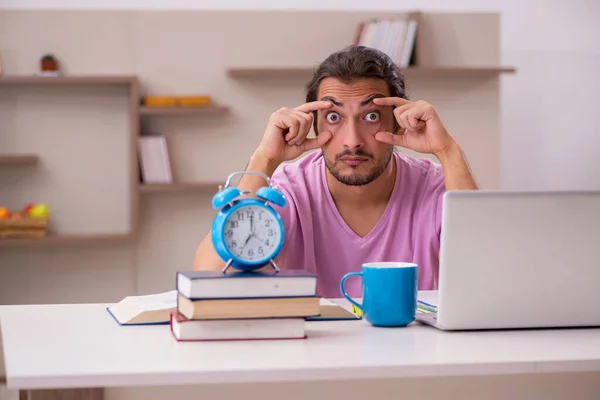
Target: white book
[(145, 159), (154, 159), (400, 43), (165, 165), (411, 35)]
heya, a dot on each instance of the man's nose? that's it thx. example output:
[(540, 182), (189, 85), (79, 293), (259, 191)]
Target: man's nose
[(353, 139)]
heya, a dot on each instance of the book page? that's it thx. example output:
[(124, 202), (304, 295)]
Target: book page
[(326, 302), (159, 301)]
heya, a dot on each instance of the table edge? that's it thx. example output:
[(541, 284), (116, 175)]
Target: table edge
[(302, 375)]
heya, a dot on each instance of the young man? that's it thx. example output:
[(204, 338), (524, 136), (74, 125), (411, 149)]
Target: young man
[(357, 199)]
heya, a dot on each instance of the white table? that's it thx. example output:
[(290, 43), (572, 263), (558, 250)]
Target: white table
[(81, 346)]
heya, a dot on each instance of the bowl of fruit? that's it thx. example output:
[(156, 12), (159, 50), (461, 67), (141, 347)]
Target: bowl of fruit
[(29, 222)]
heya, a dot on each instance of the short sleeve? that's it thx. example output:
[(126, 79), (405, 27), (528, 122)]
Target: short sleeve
[(438, 186)]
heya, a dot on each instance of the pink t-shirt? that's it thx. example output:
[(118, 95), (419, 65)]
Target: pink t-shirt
[(317, 238)]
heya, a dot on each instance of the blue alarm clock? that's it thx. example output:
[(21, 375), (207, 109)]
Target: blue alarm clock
[(247, 233)]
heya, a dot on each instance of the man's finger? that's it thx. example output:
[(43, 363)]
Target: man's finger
[(314, 106), (305, 124), (319, 141), (389, 138), (398, 111), (390, 101), (410, 118), (290, 123)]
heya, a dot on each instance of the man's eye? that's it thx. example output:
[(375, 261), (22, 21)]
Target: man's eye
[(333, 117), (372, 116)]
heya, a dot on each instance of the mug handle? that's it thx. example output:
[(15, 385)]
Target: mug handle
[(348, 275)]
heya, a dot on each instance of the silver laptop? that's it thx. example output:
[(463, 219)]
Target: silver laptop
[(511, 260)]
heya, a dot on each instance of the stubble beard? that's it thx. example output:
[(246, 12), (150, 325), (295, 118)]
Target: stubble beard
[(358, 179)]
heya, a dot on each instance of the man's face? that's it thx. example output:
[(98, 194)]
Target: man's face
[(353, 155)]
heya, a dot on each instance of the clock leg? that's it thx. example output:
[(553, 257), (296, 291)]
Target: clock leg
[(274, 265), (227, 265)]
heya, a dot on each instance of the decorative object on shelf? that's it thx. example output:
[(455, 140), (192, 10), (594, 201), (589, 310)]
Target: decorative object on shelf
[(247, 233), (176, 101), (49, 65), (30, 222)]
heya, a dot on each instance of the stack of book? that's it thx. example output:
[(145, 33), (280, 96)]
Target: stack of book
[(240, 305)]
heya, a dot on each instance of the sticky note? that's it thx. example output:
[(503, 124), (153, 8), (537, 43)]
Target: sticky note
[(356, 310)]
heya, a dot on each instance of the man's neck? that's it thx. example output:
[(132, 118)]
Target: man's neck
[(376, 192)]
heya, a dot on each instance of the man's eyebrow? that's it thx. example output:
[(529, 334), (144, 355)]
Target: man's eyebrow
[(363, 103), (334, 101), (370, 99)]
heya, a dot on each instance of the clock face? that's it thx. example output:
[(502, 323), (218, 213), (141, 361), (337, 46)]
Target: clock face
[(252, 233)]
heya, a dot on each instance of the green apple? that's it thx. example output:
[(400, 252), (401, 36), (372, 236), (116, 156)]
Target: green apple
[(39, 211)]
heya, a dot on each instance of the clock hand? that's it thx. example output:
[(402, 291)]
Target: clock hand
[(246, 242)]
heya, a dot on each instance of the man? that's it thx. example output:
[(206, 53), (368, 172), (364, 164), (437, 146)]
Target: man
[(358, 199)]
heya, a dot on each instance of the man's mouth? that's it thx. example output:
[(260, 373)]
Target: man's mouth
[(353, 160)]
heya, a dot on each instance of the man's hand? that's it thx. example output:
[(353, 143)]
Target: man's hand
[(421, 129), (285, 139), (285, 136)]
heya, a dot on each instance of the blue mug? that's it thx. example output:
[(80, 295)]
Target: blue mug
[(389, 293)]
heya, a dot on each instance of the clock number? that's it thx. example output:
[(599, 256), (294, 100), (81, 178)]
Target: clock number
[(250, 252), (267, 243), (234, 224), (233, 243), (260, 250), (249, 213), (240, 216), (270, 232), (229, 233), (268, 223)]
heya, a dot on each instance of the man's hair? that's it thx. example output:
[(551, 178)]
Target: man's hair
[(354, 63)]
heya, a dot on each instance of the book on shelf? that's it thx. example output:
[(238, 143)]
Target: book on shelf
[(394, 36), (155, 165)]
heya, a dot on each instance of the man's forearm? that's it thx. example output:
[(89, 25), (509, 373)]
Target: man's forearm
[(457, 173), (254, 182)]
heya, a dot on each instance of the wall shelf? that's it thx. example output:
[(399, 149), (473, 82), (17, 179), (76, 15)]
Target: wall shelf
[(18, 159), (303, 72), (131, 84), (183, 111), (67, 240), (67, 80), (178, 187)]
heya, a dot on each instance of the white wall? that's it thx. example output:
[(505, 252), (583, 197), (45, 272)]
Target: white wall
[(550, 108)]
